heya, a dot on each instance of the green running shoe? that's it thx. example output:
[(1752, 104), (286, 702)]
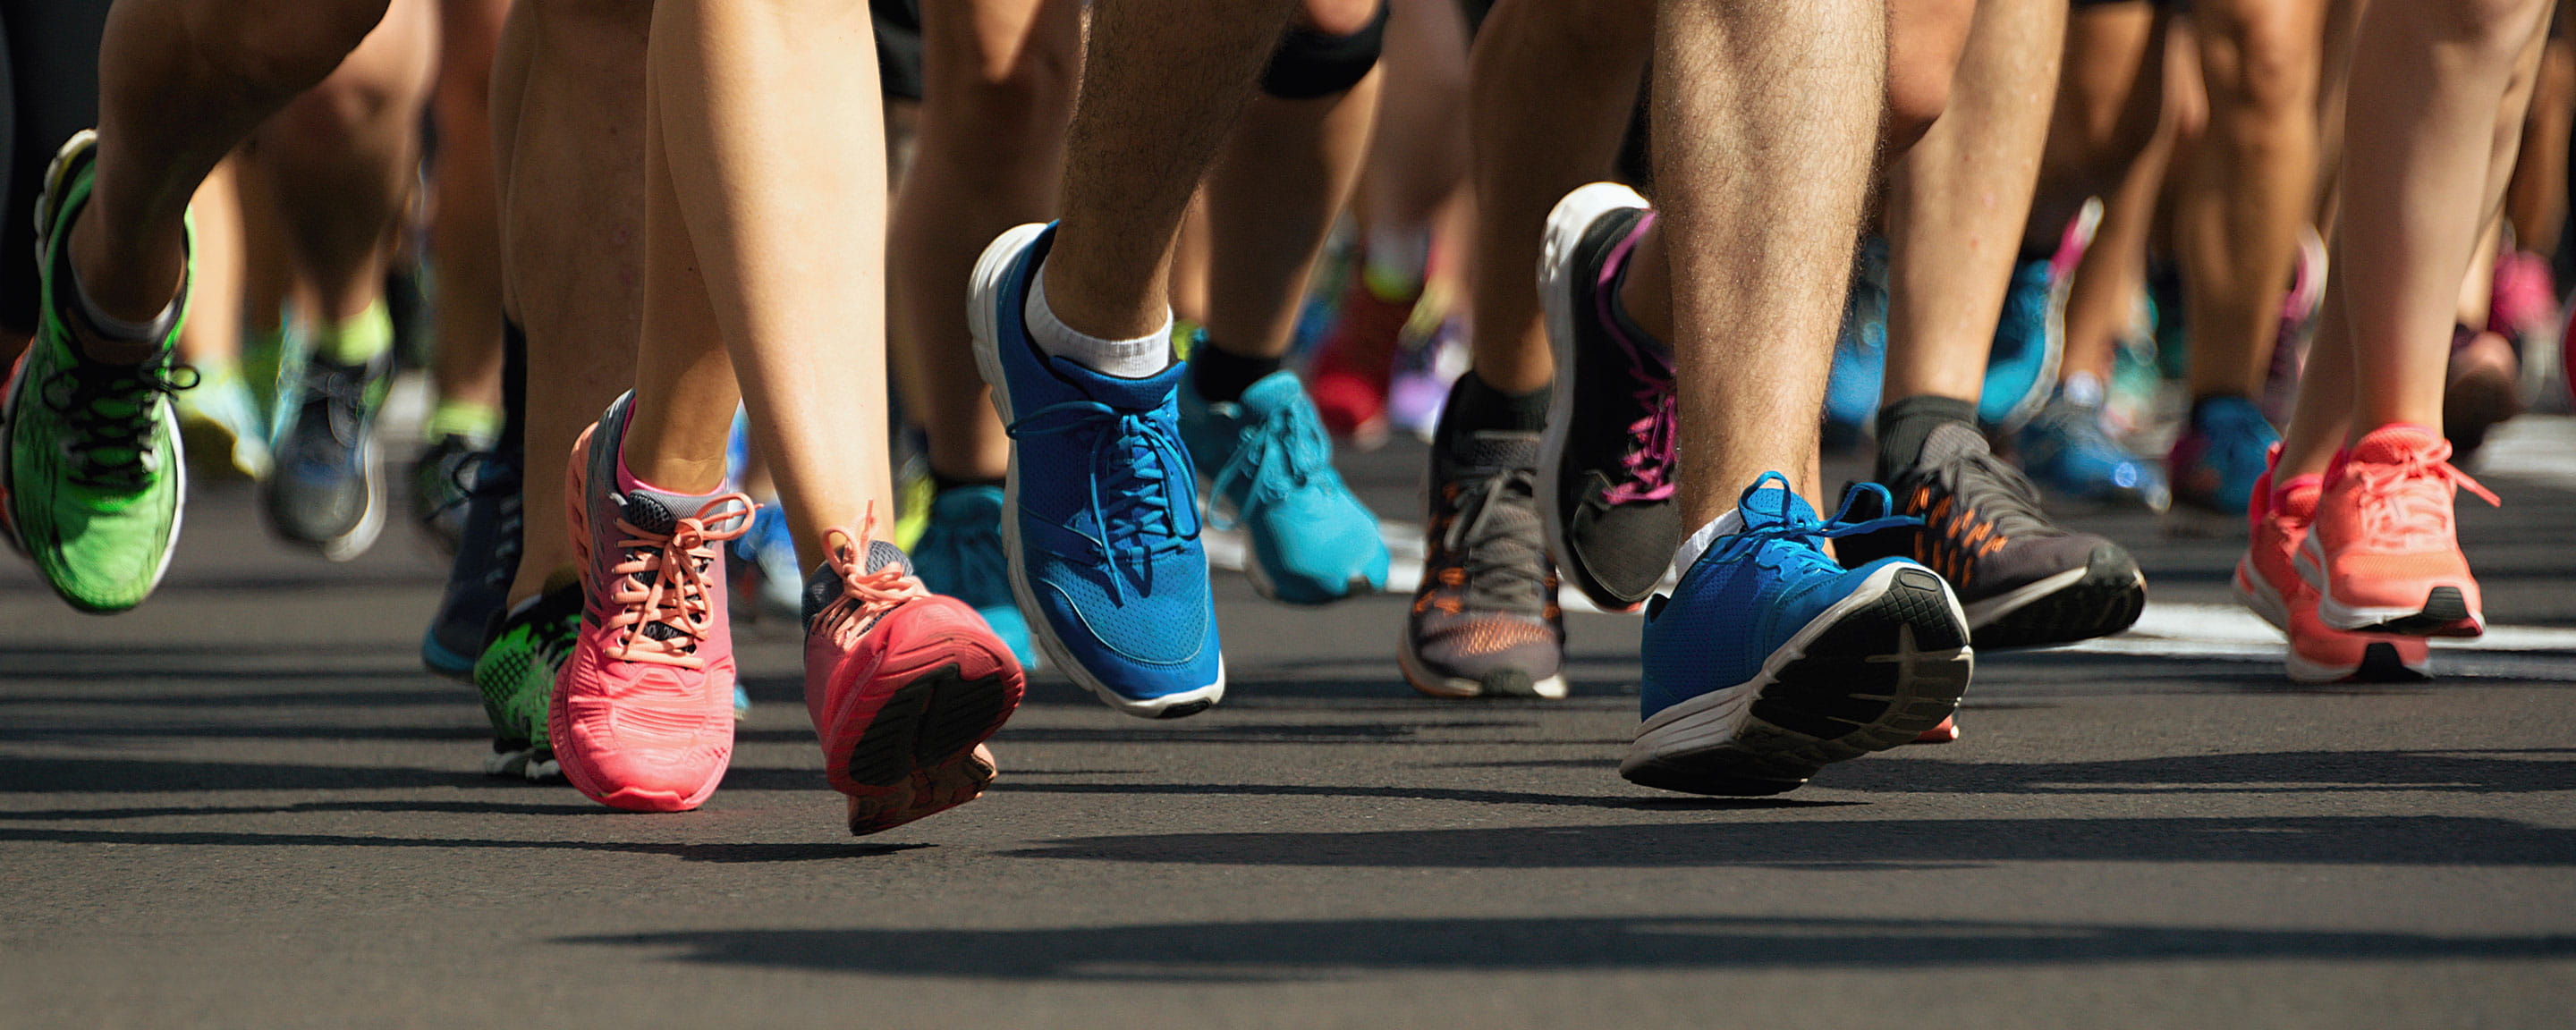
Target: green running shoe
[(517, 674), (92, 467)]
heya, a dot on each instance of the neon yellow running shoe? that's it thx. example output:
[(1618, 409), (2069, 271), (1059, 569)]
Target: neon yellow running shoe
[(92, 467)]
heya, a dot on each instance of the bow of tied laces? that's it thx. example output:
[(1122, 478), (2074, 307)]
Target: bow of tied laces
[(110, 409), (865, 594), (2387, 505), (661, 586), (1649, 460), (1135, 465), (1281, 454), (1782, 521)]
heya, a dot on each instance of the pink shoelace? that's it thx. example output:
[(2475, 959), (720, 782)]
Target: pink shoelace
[(1649, 461), (664, 582)]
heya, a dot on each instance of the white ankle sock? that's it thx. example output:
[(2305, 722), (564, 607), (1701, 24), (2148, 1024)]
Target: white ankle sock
[(1698, 543), (1126, 359)]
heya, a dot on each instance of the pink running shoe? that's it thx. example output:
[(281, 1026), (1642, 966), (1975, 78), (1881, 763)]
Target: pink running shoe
[(642, 713), (2383, 551), (904, 685), (2523, 301), (2267, 583)]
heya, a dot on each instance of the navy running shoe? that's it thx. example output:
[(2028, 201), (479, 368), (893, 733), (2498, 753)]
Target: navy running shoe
[(960, 554), (1769, 661), (478, 579), (1270, 469), (1103, 520)]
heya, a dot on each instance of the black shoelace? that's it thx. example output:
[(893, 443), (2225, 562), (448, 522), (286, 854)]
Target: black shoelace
[(110, 411)]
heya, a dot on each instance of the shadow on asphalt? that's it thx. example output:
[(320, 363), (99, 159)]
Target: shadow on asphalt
[(1865, 844), (1328, 949), (684, 852), (1468, 795)]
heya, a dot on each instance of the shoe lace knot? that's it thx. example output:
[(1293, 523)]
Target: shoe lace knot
[(661, 590), (110, 410), (1500, 562), (1136, 505), (866, 594), (2412, 492), (1281, 454), (1785, 521)]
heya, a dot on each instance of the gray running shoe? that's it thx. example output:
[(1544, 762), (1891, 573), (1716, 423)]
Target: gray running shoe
[(326, 487), (1485, 621)]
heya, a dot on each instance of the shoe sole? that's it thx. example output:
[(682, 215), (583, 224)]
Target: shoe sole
[(2445, 612), (1503, 683), (2104, 597), (1876, 671), (990, 270), (9, 521), (1566, 224), (933, 701), (2259, 597), (2380, 663)]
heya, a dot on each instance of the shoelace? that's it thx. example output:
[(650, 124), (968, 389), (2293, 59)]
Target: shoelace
[(2388, 508), (341, 395), (1497, 569), (1132, 501), (1985, 503), (866, 595), (1281, 454), (1649, 459), (1783, 522), (663, 582), (109, 410)]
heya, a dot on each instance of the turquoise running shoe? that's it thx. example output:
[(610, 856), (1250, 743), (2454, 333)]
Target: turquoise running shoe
[(2224, 447), (1860, 352), (1269, 468), (2030, 339), (1769, 661), (2069, 453), (1103, 522), (960, 554), (92, 470)]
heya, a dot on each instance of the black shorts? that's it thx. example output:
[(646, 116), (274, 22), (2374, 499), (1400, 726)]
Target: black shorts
[(49, 75)]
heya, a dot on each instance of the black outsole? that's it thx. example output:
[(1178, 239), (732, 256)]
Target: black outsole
[(1852, 694), (2380, 664), (928, 721), (2107, 600), (1185, 709), (2444, 609)]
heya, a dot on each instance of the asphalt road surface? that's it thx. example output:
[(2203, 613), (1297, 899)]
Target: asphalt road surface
[(245, 805)]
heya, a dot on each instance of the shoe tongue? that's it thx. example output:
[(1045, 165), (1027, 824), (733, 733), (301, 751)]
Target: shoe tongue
[(1492, 449), (1118, 392), (654, 511), (2392, 443), (1271, 392), (1949, 442)]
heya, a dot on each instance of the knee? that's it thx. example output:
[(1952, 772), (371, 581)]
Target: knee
[(2263, 57), (286, 47)]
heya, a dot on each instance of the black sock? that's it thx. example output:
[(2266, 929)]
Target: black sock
[(941, 483), (1476, 407), (1904, 423), (1221, 377)]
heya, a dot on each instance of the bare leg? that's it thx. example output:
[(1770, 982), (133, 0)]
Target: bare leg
[(1764, 120), (1001, 77), (2110, 98), (466, 241)]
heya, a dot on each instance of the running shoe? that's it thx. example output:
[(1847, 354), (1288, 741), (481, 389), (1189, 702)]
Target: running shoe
[(960, 555), (1354, 365), (1860, 350), (763, 567), (1976, 520), (1103, 523), (442, 479), (1606, 475), (1269, 469), (1485, 621), (220, 425), (327, 488), (2068, 450), (92, 471), (904, 685), (478, 578), (1423, 374), (1769, 661), (642, 715), (516, 676), (2484, 389), (2300, 307), (2030, 338), (2383, 552), (2214, 464), (2267, 582), (2523, 303)]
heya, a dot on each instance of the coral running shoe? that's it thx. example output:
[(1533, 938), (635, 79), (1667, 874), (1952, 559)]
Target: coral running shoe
[(1270, 470), (1102, 523), (642, 714), (92, 470), (1606, 482), (1770, 661), (2268, 583), (2384, 552), (1485, 621), (904, 685)]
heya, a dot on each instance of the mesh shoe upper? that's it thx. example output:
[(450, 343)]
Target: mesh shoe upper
[(1486, 610), (1269, 467)]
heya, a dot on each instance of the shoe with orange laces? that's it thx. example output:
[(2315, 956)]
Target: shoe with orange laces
[(642, 713), (2384, 551), (2268, 582), (904, 685)]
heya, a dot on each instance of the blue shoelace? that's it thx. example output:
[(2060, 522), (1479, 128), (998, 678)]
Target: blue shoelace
[(1282, 453), (1132, 503), (1784, 522)]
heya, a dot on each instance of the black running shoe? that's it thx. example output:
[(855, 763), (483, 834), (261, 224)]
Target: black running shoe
[(325, 488), (442, 479), (478, 581), (1607, 474), (1484, 621), (2023, 581)]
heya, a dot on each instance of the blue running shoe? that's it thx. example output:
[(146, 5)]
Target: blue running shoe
[(2067, 451), (1269, 467), (2223, 449), (762, 566), (1860, 353), (1769, 660), (960, 554), (1103, 526), (2021, 369)]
